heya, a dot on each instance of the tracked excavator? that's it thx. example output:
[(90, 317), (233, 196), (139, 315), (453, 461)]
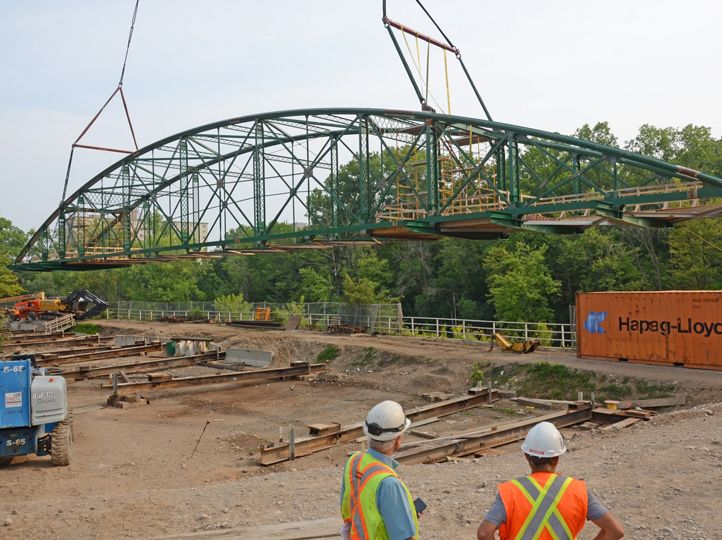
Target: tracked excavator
[(76, 303)]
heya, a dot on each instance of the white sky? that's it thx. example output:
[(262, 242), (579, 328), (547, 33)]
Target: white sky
[(552, 65)]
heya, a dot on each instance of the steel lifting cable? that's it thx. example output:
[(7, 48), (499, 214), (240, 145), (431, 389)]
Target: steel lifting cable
[(698, 236), (436, 25), (448, 45), (130, 37), (119, 89)]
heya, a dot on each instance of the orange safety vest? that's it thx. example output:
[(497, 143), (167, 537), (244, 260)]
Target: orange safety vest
[(543, 506)]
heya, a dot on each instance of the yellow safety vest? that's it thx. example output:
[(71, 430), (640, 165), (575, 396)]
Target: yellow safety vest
[(362, 476)]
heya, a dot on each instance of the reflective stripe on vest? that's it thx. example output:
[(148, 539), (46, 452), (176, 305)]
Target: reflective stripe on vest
[(358, 478), (544, 513)]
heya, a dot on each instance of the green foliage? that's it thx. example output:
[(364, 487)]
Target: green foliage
[(9, 284), (556, 381), (233, 303), (318, 287), (364, 291), (282, 314), (196, 312), (520, 283), (12, 240), (87, 328), (697, 265), (367, 358), (476, 377), (328, 354)]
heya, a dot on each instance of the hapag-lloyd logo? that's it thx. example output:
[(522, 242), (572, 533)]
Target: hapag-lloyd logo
[(627, 324), (594, 319)]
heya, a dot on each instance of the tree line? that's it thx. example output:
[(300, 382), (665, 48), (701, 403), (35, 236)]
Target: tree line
[(525, 277)]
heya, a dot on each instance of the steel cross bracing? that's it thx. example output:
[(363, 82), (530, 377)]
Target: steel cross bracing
[(242, 186)]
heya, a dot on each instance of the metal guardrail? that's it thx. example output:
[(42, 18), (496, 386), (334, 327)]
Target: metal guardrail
[(560, 335)]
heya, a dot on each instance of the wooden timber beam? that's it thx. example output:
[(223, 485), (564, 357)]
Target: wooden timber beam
[(50, 355), (303, 447), (91, 356), (44, 337), (84, 372), (85, 341), (462, 445), (239, 376)]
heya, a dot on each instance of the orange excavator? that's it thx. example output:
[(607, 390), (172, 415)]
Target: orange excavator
[(76, 303)]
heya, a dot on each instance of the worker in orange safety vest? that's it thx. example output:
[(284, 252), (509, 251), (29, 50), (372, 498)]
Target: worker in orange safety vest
[(545, 505)]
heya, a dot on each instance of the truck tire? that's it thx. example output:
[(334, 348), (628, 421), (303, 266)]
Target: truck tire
[(70, 421), (61, 445)]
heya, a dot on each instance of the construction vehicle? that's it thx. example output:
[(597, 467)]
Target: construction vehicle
[(76, 303), (34, 414), (521, 347)]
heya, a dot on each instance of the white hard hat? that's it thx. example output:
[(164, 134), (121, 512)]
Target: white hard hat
[(386, 421), (544, 441)]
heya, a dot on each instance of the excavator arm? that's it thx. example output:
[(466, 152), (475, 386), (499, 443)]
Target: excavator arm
[(85, 296)]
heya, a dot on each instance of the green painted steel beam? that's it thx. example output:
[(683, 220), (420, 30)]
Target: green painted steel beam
[(189, 191)]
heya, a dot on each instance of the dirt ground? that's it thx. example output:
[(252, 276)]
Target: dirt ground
[(132, 475)]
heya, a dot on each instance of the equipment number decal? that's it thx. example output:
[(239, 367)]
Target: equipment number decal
[(14, 369), (16, 442), (13, 399)]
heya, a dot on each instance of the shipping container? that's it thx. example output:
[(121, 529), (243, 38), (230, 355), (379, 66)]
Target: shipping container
[(675, 328)]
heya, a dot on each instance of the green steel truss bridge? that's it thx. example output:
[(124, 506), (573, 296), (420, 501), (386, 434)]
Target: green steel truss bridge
[(315, 179)]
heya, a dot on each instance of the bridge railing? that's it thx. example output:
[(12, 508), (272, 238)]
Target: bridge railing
[(377, 319)]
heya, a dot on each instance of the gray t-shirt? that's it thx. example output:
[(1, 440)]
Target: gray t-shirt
[(497, 513)]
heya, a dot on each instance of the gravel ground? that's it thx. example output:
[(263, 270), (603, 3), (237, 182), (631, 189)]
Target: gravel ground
[(662, 479)]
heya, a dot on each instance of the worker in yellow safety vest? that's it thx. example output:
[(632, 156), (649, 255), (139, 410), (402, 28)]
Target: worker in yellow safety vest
[(375, 503), (545, 505)]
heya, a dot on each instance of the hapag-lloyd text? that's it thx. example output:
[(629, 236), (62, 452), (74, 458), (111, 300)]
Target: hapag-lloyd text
[(666, 327)]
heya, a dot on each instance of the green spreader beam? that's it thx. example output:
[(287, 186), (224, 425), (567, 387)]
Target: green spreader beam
[(317, 178)]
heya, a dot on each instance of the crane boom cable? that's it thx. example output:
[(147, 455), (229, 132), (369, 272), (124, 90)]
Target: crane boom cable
[(130, 37), (436, 25), (125, 107)]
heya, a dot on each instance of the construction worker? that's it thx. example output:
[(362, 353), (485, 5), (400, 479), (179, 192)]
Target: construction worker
[(545, 505), (375, 504)]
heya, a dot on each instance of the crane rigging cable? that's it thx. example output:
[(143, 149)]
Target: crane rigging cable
[(448, 46), (118, 90), (418, 68)]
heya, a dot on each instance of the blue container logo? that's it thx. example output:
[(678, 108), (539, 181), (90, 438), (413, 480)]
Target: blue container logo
[(594, 319)]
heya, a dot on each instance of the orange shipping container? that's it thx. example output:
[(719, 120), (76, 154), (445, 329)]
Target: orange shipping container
[(680, 328)]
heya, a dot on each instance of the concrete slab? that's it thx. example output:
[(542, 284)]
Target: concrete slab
[(249, 357)]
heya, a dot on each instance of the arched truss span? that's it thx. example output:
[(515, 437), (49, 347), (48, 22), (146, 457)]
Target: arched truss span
[(311, 179)]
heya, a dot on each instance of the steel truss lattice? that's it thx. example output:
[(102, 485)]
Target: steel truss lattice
[(242, 186)]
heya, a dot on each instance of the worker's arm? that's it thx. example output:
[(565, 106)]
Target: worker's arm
[(486, 531), (611, 529)]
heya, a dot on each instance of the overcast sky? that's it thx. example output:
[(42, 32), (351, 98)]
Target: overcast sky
[(552, 65)]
